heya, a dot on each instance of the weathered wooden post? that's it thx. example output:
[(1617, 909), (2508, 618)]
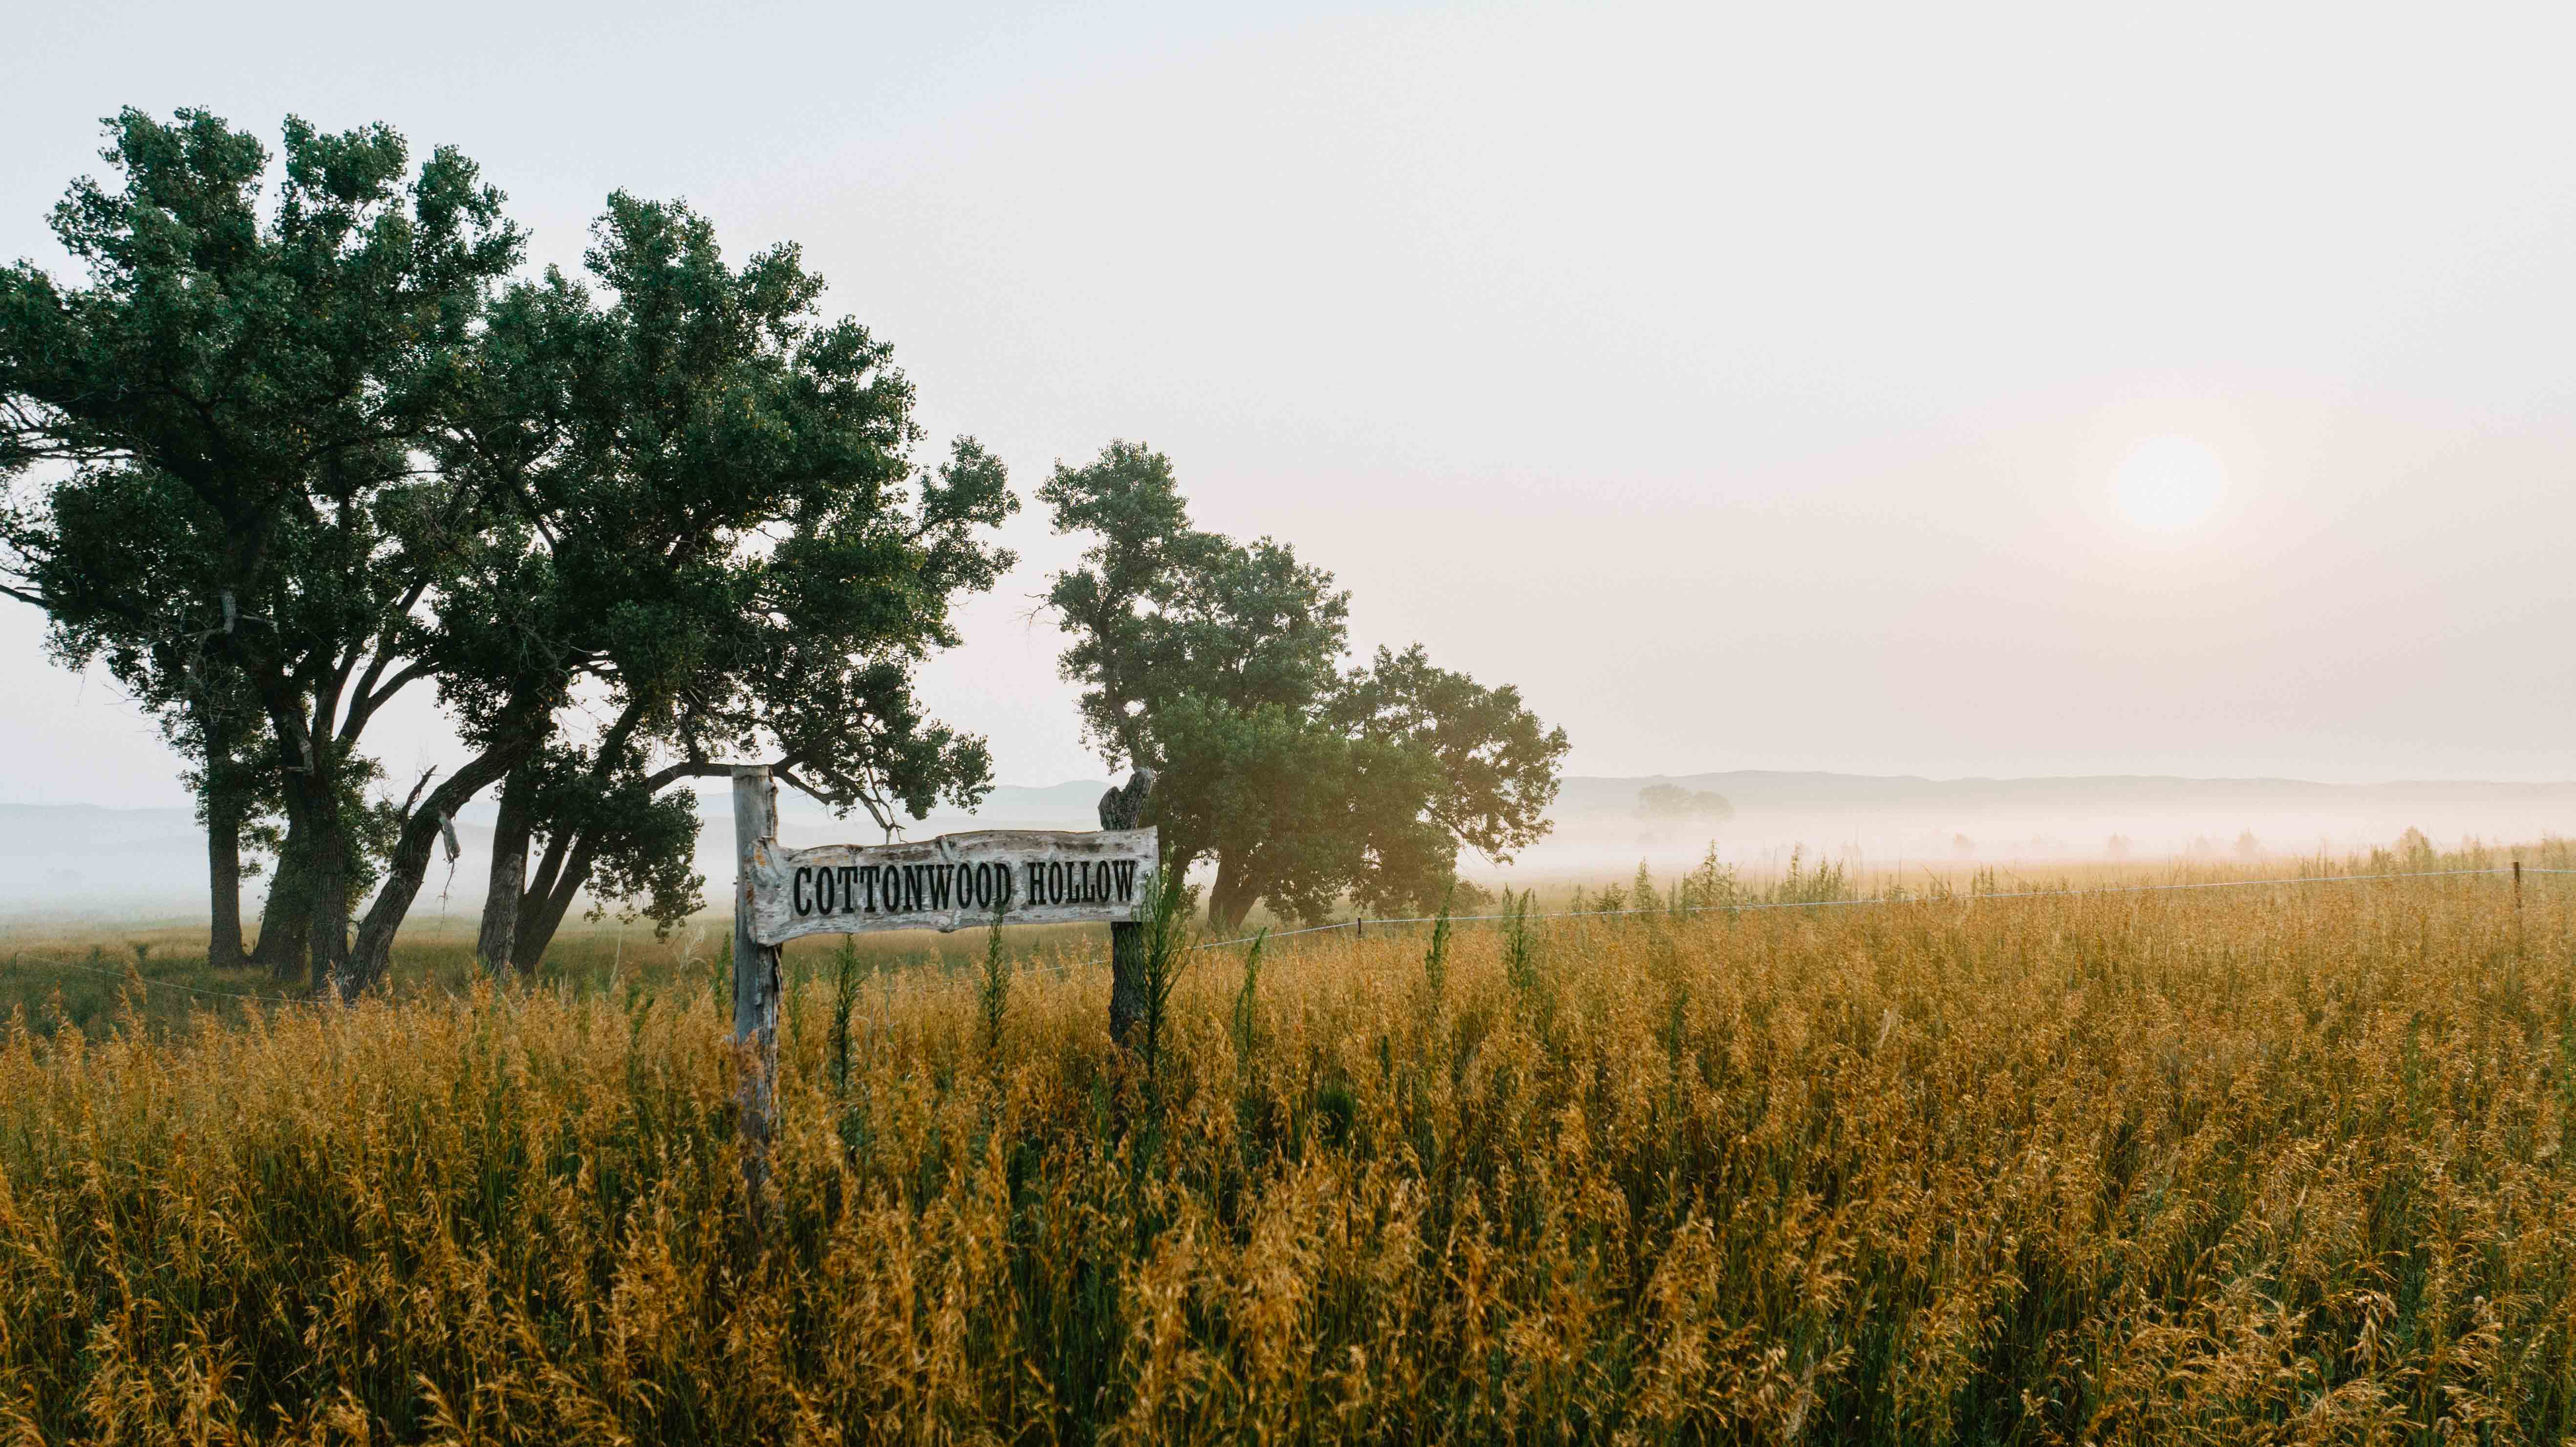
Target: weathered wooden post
[(755, 978), (2517, 908), (1126, 808)]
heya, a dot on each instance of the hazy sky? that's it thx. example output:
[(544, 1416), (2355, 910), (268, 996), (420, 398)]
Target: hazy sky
[(1768, 387)]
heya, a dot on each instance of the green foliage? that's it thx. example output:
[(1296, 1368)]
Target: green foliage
[(643, 841), (1223, 666), (846, 975), (1708, 886), (1520, 944), (993, 994), (1161, 609), (308, 454), (1164, 913), (242, 396), (1247, 1003), (1435, 959), (1294, 812), (1641, 891), (1819, 883), (725, 536)]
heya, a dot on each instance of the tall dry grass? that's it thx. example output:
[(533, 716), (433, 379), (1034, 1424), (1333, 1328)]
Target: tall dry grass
[(2279, 1164)]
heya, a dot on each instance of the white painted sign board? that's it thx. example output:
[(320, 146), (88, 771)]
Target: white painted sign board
[(956, 881)]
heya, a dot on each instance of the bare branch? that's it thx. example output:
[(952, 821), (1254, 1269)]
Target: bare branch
[(413, 801)]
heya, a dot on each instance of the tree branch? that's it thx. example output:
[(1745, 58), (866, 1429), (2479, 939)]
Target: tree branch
[(365, 705), (401, 609)]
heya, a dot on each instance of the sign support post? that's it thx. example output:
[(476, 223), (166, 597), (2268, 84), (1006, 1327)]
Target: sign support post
[(755, 979), (1127, 808)]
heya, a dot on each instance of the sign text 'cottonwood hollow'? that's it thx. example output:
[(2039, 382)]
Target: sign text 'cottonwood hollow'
[(1018, 876)]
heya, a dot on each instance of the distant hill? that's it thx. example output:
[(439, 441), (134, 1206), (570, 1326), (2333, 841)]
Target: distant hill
[(1906, 818), (1761, 788), (53, 829), (79, 856)]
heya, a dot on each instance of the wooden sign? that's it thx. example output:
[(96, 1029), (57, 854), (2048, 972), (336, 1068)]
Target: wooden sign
[(1020, 876)]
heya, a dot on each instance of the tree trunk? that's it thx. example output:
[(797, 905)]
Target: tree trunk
[(286, 920), (1231, 898), (313, 814), (558, 882), (223, 872), (219, 788), (1128, 808), (327, 944), (496, 946), (369, 958)]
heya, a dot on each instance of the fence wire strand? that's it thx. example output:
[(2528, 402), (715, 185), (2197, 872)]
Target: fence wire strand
[(1363, 921)]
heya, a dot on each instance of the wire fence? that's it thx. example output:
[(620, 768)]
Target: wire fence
[(1360, 924)]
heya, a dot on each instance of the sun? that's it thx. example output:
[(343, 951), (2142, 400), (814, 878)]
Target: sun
[(2168, 484)]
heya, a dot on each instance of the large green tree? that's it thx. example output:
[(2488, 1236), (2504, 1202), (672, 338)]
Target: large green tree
[(1224, 667), (323, 449), (726, 555), (246, 391)]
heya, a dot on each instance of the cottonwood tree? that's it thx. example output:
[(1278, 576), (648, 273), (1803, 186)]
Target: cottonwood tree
[(361, 461), (718, 547), (226, 423), (1224, 667)]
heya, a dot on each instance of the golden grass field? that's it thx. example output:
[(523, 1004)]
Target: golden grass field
[(2289, 1163)]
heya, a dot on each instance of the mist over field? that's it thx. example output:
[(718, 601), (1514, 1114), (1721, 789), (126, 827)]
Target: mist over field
[(74, 860)]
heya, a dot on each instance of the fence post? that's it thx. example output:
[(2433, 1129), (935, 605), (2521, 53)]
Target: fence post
[(2517, 909), (755, 982), (1127, 808)]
